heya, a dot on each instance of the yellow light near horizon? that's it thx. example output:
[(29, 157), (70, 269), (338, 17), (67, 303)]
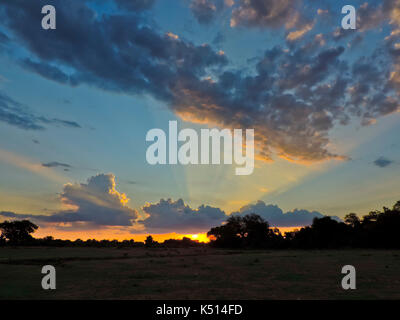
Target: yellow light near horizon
[(113, 233), (201, 237)]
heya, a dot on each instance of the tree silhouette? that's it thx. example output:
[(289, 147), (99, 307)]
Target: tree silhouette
[(149, 242), (256, 231), (228, 235), (352, 220), (245, 231), (18, 231)]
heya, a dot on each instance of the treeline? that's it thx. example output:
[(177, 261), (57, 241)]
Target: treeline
[(18, 233), (378, 229)]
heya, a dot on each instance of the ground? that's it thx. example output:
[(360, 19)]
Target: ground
[(197, 273)]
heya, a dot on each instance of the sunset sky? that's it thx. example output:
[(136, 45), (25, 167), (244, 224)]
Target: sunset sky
[(76, 104)]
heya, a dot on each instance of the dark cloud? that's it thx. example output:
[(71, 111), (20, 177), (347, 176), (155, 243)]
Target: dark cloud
[(18, 115), (268, 13), (14, 113), (170, 216), (47, 71), (292, 99), (55, 164), (275, 216), (131, 182), (206, 11), (219, 39), (135, 5), (130, 56), (4, 38), (64, 123), (97, 203), (382, 162), (370, 16)]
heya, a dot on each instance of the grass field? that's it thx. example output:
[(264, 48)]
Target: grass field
[(139, 273)]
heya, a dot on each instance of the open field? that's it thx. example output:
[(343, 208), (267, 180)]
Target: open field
[(197, 273)]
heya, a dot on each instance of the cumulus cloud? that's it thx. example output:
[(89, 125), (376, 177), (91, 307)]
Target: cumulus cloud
[(277, 218), (382, 162), (18, 115), (96, 202), (169, 215)]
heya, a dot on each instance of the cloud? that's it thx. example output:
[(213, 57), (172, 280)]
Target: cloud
[(276, 218), (382, 162), (268, 13), (13, 113), (297, 34), (292, 101), (55, 164), (293, 97), (135, 5), (205, 11), (219, 39), (169, 215), (130, 56), (4, 38), (96, 203), (64, 123), (30, 165), (48, 71), (18, 115)]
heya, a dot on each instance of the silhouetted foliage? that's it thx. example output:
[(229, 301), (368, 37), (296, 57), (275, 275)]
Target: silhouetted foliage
[(149, 242), (17, 232), (378, 229), (324, 233), (250, 231), (2, 240), (183, 243), (352, 220)]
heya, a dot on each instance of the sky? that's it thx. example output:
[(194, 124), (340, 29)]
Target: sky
[(77, 102)]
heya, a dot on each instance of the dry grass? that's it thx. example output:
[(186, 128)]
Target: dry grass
[(107, 273)]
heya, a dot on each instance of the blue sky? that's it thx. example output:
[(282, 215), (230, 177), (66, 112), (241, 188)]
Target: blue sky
[(82, 98)]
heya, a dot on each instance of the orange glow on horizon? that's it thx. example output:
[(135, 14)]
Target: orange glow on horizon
[(110, 234), (201, 237)]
